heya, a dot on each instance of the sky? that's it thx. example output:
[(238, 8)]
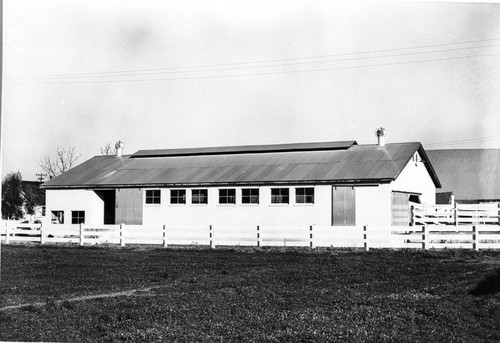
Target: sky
[(180, 74)]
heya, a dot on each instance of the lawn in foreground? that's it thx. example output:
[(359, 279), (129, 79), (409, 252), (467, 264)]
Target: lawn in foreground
[(246, 295)]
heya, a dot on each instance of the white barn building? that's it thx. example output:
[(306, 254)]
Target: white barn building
[(331, 183)]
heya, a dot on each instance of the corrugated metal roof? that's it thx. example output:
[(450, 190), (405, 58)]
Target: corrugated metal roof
[(357, 163), (471, 174)]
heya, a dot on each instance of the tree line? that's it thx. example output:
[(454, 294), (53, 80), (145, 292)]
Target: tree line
[(24, 197)]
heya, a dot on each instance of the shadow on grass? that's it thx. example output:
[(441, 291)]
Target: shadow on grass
[(488, 285)]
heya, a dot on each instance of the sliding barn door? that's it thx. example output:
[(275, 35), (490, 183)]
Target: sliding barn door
[(129, 206), (343, 206), (400, 209)]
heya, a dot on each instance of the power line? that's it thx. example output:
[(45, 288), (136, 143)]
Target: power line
[(261, 66), (257, 74), (466, 141), (261, 61)]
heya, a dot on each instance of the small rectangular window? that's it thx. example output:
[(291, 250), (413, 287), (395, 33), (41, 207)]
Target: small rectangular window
[(57, 217), (178, 196), (77, 217), (153, 196), (304, 195), (199, 196), (250, 196), (227, 196), (280, 196)]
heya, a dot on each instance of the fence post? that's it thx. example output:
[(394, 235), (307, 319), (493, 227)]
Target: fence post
[(7, 233), (122, 235), (499, 213), (475, 238), (455, 213), (164, 236), (42, 237), (212, 239), (81, 234), (311, 237), (365, 237), (259, 237), (425, 238)]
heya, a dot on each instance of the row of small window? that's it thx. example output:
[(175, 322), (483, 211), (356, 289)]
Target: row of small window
[(77, 217), (303, 195)]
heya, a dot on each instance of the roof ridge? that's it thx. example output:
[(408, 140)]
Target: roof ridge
[(246, 149)]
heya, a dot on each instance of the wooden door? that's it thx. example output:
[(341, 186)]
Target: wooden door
[(400, 209), (343, 206), (129, 206)]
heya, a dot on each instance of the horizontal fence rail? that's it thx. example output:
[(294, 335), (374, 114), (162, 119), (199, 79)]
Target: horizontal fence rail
[(458, 214), (419, 237)]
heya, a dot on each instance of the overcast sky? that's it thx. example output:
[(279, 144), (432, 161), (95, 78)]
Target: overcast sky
[(159, 74)]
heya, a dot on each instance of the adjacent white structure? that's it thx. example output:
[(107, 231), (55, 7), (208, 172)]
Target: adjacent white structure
[(331, 183)]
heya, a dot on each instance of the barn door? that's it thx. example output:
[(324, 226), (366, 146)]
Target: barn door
[(343, 206), (129, 206), (400, 209)]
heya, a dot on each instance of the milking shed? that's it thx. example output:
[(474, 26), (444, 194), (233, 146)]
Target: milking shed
[(332, 183)]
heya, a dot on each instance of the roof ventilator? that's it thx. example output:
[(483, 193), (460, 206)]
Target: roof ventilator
[(119, 148), (380, 133)]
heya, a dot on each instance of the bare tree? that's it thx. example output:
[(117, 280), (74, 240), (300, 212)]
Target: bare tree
[(63, 161), (108, 149)]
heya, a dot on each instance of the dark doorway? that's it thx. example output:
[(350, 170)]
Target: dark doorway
[(109, 198)]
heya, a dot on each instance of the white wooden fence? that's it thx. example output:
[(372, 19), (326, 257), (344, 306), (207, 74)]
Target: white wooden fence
[(457, 214), (422, 237)]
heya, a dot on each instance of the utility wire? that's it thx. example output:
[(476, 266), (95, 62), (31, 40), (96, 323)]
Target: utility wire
[(261, 61), (257, 74), (258, 66), (473, 140)]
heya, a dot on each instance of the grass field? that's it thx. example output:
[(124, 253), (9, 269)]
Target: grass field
[(246, 295)]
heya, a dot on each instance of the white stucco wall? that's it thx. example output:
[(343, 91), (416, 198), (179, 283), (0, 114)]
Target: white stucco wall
[(373, 205), (416, 178), (263, 213), (75, 200)]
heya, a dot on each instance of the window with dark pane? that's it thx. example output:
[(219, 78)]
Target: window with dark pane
[(77, 217), (178, 196), (199, 196), (153, 196), (280, 196), (227, 196), (304, 195), (250, 196)]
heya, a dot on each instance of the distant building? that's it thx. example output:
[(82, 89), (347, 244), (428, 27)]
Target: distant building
[(470, 175), (332, 183)]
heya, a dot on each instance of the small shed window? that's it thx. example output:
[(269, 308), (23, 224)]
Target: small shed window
[(304, 195), (77, 217), (199, 196), (153, 196), (57, 217), (280, 196), (227, 196), (250, 196), (178, 196)]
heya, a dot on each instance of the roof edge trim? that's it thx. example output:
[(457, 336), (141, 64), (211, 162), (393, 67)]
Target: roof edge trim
[(352, 182)]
